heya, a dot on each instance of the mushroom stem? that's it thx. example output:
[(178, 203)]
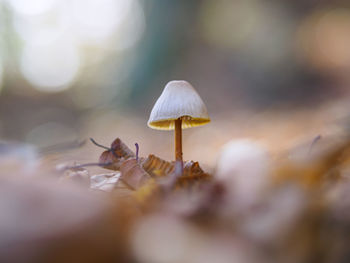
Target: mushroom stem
[(178, 143)]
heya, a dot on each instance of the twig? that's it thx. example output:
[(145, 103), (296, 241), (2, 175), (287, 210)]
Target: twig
[(85, 165), (314, 141), (137, 151), (100, 145), (105, 147)]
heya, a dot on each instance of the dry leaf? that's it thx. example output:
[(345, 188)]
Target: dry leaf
[(114, 157), (105, 182), (136, 173), (133, 174)]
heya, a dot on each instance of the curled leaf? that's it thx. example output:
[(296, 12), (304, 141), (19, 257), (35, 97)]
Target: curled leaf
[(133, 174), (114, 157), (156, 166)]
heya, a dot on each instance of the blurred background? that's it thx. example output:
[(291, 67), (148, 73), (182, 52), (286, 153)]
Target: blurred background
[(73, 69)]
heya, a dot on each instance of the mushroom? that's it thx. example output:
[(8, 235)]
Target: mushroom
[(178, 107)]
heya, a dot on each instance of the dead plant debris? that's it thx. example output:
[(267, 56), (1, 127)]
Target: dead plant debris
[(253, 209)]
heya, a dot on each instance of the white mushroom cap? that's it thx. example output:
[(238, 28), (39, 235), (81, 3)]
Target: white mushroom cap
[(178, 100)]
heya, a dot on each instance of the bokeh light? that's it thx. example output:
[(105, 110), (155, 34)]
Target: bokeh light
[(42, 29), (61, 38), (324, 39), (255, 30), (97, 19), (132, 29), (221, 17), (50, 67), (32, 7)]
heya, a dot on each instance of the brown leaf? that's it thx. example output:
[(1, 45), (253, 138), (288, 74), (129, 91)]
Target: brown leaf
[(156, 166), (119, 152), (136, 174), (313, 173), (133, 174)]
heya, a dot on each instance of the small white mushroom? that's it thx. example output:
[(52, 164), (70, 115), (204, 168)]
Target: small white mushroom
[(178, 107), (179, 100)]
